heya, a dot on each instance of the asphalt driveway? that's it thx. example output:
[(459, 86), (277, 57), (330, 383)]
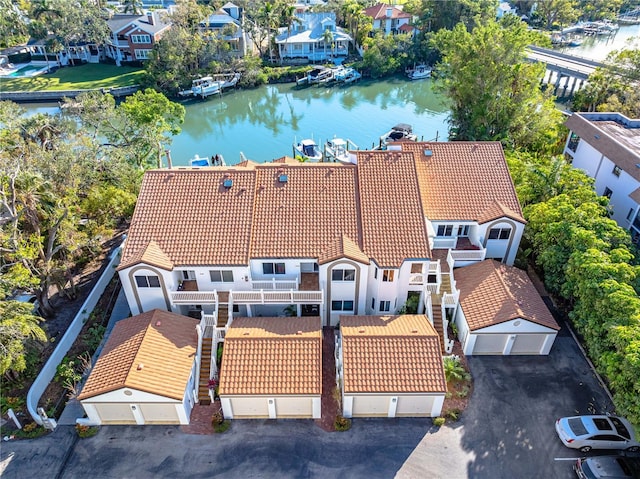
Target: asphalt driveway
[(507, 431)]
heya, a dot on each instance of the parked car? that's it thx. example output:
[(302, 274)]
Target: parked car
[(597, 432), (608, 467)]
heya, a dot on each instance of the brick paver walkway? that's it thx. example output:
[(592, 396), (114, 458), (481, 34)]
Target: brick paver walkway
[(329, 404), (200, 421)]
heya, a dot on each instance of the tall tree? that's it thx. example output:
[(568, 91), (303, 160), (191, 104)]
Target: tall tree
[(133, 7), (560, 12), (18, 325), (493, 91), (13, 24)]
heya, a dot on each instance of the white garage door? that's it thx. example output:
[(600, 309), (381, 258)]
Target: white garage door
[(115, 414), (249, 407), (414, 406), (294, 407), (528, 343), (159, 414), (367, 406), (490, 343)]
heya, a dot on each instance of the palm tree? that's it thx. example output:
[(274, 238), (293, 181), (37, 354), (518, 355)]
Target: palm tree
[(327, 37), (288, 18), (133, 6)]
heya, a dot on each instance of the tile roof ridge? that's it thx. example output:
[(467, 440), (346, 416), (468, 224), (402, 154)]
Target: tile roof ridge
[(501, 270)]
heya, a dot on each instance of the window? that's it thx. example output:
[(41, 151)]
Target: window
[(385, 306), (499, 233), (273, 268), (375, 273), (416, 268), (343, 275), (373, 303), (630, 214), (147, 281), (341, 305), (141, 54), (221, 276), (387, 275), (573, 142), (616, 170), (445, 230), (188, 274), (236, 308), (140, 39), (463, 230), (607, 192)]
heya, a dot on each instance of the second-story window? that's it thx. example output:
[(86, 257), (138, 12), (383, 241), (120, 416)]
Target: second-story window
[(499, 233), (343, 275), (273, 268), (387, 275), (140, 39), (221, 276), (147, 281), (444, 230), (616, 170), (463, 230), (385, 306)]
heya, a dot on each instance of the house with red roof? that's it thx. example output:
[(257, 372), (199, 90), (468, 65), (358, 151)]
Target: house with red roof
[(390, 234), (132, 37), (389, 19)]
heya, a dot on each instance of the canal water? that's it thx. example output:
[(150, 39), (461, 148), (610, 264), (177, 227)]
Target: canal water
[(263, 123), (598, 47)]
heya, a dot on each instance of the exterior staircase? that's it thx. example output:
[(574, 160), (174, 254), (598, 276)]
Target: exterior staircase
[(205, 371), (445, 287), (223, 315), (437, 324)]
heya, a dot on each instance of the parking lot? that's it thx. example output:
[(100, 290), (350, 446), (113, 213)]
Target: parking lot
[(507, 431)]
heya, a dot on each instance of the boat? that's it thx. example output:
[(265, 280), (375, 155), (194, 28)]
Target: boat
[(576, 42), (203, 87), (199, 162), (400, 132), (344, 74), (419, 72), (337, 149), (308, 150)]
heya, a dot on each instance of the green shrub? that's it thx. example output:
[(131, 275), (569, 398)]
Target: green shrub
[(463, 393), (11, 402), (342, 423), (454, 370), (86, 431), (438, 421), (93, 337), (453, 414)]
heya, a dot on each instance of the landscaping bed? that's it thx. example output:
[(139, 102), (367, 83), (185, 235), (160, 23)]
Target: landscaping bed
[(458, 389)]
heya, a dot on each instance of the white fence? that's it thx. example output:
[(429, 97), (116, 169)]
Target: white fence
[(49, 369)]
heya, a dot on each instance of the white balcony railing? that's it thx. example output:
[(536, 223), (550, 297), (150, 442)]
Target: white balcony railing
[(445, 242), (276, 297), (468, 254), (433, 288), (416, 278), (194, 297), (275, 284)]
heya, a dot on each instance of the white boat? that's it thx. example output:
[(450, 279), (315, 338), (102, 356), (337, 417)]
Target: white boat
[(203, 87), (308, 149), (401, 131), (419, 72), (337, 149), (346, 74)]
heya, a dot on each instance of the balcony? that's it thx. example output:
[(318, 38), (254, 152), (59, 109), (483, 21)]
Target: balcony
[(276, 297)]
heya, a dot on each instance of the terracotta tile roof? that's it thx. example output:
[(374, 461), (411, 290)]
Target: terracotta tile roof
[(300, 217), (379, 12), (192, 217), (343, 247), (153, 255), (493, 293), (464, 180), (406, 28), (393, 226), (163, 343), (608, 134), (274, 356), (391, 354)]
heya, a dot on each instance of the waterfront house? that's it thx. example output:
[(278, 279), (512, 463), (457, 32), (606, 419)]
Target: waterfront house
[(314, 37), (239, 248), (227, 24), (607, 147), (132, 37), (389, 19)]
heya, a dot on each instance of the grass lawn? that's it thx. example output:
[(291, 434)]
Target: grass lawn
[(88, 76)]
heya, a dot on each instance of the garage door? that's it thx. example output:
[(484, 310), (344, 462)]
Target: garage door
[(490, 343), (367, 406), (159, 414), (528, 343), (294, 407), (414, 406), (115, 414), (249, 407)]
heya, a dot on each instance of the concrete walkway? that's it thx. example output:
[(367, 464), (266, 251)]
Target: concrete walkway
[(73, 409)]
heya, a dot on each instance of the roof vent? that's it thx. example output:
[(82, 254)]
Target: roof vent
[(361, 330), (428, 153), (414, 331), (299, 333), (283, 178), (158, 323), (228, 183), (140, 367)]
